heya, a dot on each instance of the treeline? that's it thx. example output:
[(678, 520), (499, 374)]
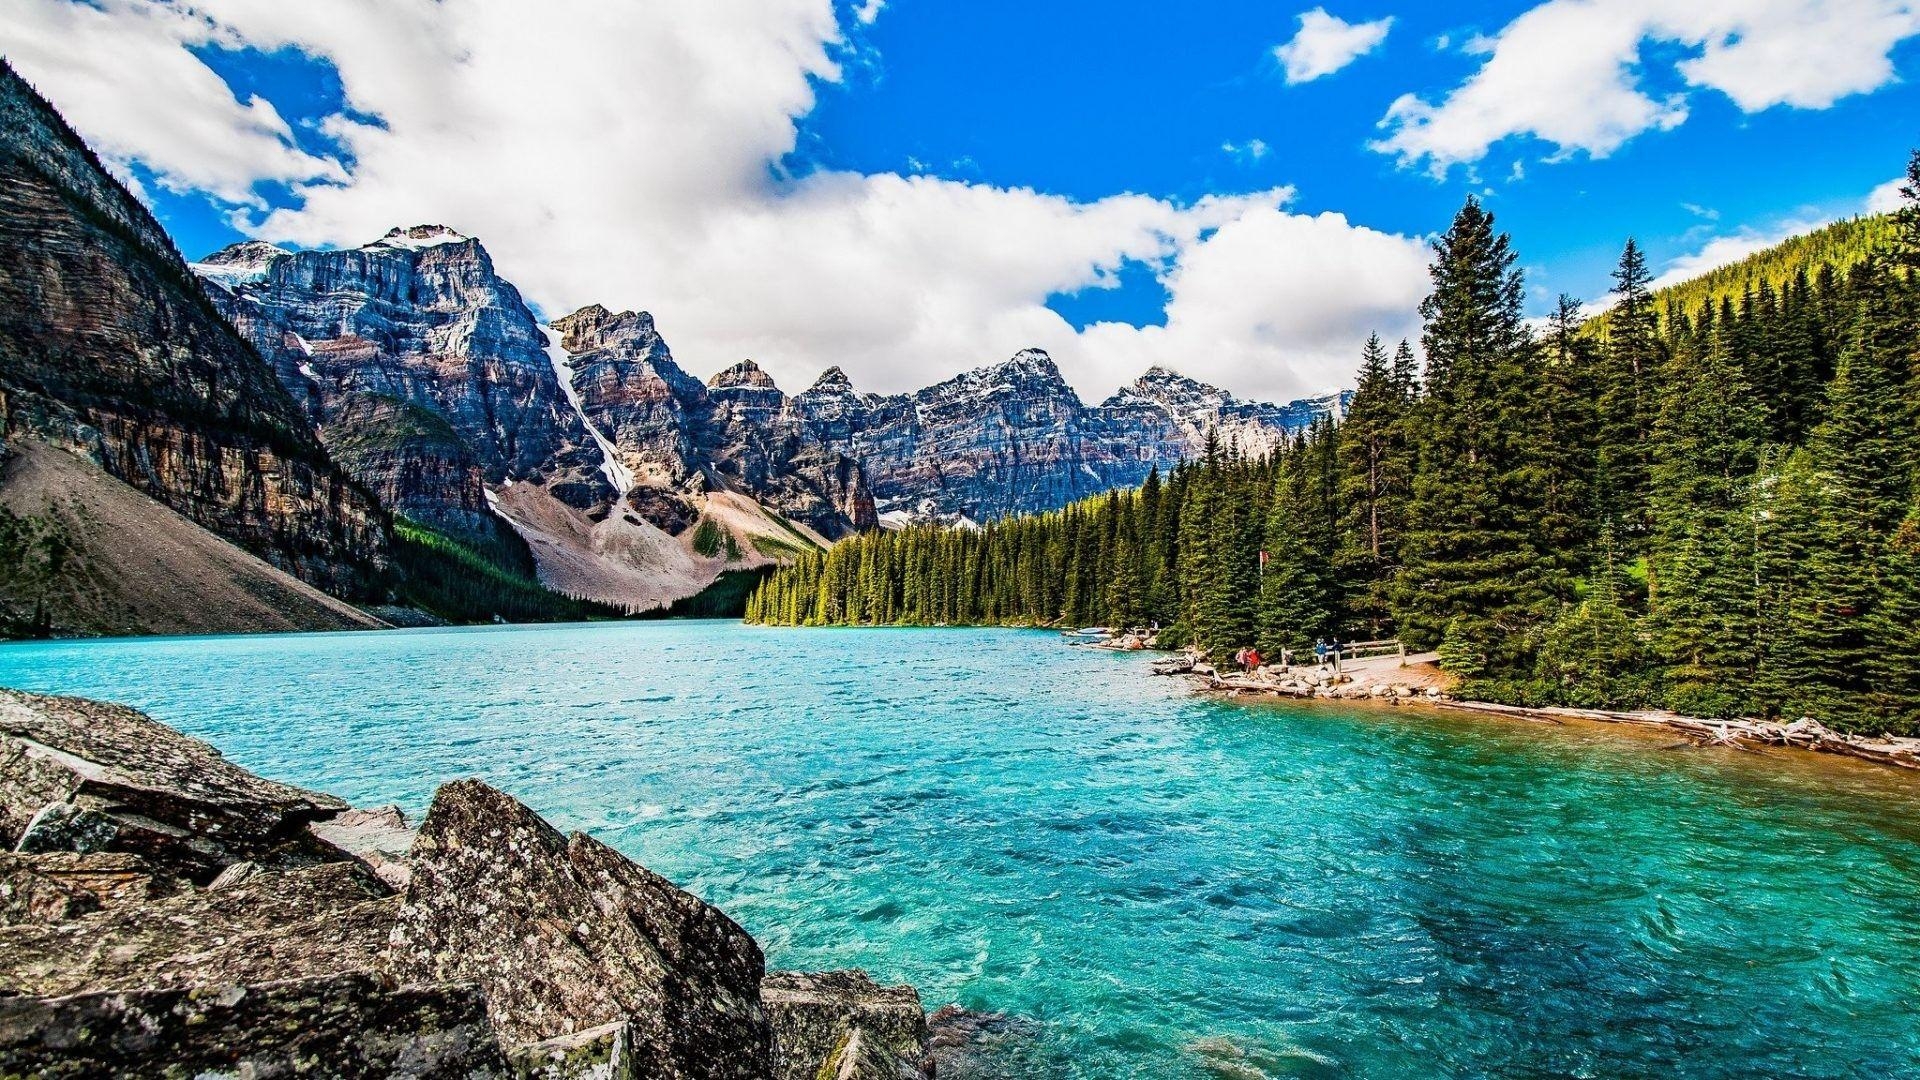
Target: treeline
[(1711, 508), (469, 579)]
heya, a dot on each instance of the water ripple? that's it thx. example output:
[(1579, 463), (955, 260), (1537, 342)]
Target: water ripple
[(1162, 887)]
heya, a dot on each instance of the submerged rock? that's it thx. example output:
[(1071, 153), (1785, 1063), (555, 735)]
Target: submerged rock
[(844, 1026), (351, 1025), (565, 934), (78, 775)]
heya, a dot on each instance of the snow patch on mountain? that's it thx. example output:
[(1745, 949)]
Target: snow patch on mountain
[(616, 473)]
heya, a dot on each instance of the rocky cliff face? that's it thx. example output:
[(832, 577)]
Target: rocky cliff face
[(417, 320), (736, 433), (108, 348), (1015, 438), (410, 349), (168, 914)]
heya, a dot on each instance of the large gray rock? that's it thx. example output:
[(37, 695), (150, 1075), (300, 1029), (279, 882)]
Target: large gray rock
[(343, 1026), (566, 934), (601, 1053), (841, 1025), (275, 924), (81, 775)]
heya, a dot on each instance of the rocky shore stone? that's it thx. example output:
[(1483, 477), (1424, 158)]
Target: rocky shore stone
[(350, 1025), (83, 776), (601, 1053), (566, 934), (278, 924), (235, 927), (841, 1025)]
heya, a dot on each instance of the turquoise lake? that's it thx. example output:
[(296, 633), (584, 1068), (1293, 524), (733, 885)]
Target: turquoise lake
[(1165, 886)]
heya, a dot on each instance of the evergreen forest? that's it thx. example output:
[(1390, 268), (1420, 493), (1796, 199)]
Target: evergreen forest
[(1702, 498)]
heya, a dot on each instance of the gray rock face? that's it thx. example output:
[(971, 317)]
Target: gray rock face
[(736, 432), (109, 349), (1015, 438), (276, 924), (347, 1026), (565, 934), (631, 389), (419, 319), (843, 1025), (80, 775)]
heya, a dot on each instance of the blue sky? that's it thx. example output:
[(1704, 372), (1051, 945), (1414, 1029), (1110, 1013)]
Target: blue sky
[(913, 187)]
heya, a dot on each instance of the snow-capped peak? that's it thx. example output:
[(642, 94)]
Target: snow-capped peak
[(237, 264), (420, 236)]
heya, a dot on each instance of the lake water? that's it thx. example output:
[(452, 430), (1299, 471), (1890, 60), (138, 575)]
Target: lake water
[(1164, 886)]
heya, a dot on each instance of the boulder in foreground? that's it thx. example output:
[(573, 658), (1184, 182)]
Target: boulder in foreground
[(841, 1025), (565, 934), (79, 775)]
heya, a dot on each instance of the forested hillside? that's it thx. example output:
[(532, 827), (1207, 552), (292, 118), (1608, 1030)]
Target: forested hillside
[(1710, 508), (1835, 249)]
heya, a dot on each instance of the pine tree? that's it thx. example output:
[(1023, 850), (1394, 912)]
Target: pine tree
[(1472, 566), (1706, 455), (1628, 377), (1296, 594)]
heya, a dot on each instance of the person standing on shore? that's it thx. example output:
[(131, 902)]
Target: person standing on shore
[(1320, 651)]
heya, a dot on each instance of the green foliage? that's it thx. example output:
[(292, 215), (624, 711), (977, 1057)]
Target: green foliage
[(708, 538), (470, 579), (36, 561), (1840, 247), (1703, 499), (726, 598)]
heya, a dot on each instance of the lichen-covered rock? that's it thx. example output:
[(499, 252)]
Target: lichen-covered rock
[(27, 895), (276, 924), (841, 1025), (602, 1053), (81, 775), (566, 934), (380, 837), (345, 1026)]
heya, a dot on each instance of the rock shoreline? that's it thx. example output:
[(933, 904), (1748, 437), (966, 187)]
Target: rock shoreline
[(164, 912), (1375, 689)]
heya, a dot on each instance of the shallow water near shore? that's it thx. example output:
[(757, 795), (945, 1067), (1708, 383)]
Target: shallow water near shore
[(1169, 886)]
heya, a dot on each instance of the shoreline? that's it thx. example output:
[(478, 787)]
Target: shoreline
[(1421, 691)]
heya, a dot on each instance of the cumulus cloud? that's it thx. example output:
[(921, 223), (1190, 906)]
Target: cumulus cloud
[(1887, 197), (1327, 43), (120, 73), (1571, 72), (632, 155)]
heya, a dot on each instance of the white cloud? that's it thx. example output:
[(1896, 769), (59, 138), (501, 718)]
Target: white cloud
[(1327, 43), (629, 155), (868, 11), (119, 73), (1247, 152), (1887, 197), (1569, 72)]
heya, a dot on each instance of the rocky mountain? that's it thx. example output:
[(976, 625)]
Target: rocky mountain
[(1015, 438), (431, 381), (634, 482), (418, 364), (110, 352)]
